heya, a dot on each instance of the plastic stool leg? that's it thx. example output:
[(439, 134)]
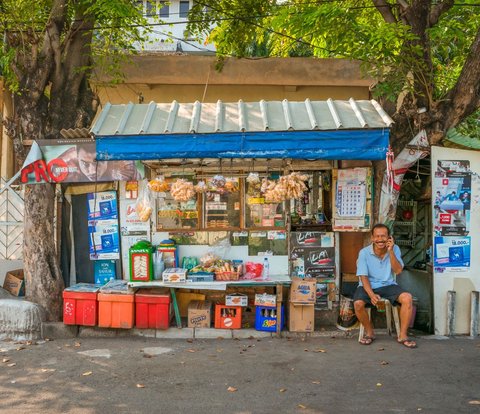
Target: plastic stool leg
[(388, 312), (396, 318)]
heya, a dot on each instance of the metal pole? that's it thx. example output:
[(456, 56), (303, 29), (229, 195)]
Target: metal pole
[(451, 312), (474, 299)]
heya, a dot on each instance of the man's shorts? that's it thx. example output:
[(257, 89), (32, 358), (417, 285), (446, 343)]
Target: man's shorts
[(391, 292)]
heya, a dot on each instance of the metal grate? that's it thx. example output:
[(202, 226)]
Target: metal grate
[(11, 221)]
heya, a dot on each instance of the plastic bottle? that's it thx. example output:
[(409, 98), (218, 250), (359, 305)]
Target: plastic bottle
[(158, 265), (266, 269)]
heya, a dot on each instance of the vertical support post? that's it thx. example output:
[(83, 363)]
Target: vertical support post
[(451, 294), (279, 292), (474, 301), (176, 311)]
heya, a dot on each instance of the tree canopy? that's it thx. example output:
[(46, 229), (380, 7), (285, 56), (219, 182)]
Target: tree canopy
[(424, 54)]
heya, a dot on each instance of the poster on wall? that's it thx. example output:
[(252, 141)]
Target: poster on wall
[(103, 225), (74, 161), (452, 188), (312, 254), (452, 253)]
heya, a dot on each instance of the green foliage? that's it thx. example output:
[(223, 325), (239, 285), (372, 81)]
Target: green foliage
[(352, 29), (117, 25)]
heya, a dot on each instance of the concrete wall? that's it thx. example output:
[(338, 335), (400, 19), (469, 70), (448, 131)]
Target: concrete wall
[(163, 78)]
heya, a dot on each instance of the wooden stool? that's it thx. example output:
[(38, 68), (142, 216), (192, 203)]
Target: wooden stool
[(389, 310)]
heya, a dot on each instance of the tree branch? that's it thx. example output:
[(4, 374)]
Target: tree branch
[(385, 10), (438, 10), (464, 98)]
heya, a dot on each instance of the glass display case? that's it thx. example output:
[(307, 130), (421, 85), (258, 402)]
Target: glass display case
[(222, 203), (173, 215), (259, 213)]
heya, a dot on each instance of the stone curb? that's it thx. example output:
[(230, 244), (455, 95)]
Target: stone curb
[(58, 330)]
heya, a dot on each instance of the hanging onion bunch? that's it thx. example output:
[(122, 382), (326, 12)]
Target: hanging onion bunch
[(182, 190)]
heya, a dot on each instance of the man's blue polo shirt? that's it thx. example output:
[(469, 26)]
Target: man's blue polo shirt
[(379, 271)]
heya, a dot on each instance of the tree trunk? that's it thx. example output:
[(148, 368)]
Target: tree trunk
[(44, 283)]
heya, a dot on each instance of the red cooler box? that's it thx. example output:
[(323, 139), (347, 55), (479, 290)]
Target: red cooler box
[(80, 306), (153, 309)]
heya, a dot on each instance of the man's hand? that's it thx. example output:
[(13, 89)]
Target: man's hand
[(390, 243), (374, 299)]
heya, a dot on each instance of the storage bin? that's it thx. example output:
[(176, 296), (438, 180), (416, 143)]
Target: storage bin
[(228, 317), (266, 318), (153, 310), (80, 305), (116, 310)]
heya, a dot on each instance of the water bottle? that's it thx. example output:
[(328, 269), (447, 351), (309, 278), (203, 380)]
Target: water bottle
[(158, 265), (266, 269)]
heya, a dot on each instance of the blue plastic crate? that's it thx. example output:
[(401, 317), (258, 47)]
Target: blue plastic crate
[(264, 321)]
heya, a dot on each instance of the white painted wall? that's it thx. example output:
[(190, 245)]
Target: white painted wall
[(168, 33), (461, 282)]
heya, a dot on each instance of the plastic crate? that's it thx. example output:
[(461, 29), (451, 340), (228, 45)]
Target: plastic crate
[(80, 308), (228, 317), (116, 310), (264, 321), (152, 310)]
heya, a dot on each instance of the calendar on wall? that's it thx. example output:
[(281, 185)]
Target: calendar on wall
[(352, 199), (351, 192)]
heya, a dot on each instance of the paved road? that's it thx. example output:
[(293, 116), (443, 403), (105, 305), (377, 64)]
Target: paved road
[(319, 375)]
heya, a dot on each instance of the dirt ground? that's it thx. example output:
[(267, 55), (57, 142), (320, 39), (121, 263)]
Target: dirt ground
[(317, 375)]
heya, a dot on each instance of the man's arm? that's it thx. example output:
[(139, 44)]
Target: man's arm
[(368, 289), (397, 266)]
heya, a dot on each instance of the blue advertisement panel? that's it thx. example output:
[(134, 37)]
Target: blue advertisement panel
[(103, 225), (452, 252)]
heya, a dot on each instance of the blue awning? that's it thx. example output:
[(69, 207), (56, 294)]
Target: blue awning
[(312, 130), (311, 145)]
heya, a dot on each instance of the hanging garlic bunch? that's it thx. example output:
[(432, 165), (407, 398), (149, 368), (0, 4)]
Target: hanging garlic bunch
[(182, 190)]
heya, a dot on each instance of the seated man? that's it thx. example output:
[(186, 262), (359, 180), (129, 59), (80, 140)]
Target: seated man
[(377, 266)]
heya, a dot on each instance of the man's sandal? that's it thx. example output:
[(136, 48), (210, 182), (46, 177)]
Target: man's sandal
[(367, 340), (407, 343)]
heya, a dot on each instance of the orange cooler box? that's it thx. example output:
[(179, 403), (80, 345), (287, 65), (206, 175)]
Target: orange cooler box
[(116, 310), (228, 317), (152, 310), (80, 308)]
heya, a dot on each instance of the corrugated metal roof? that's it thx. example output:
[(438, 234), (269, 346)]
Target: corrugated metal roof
[(208, 118), (455, 139)]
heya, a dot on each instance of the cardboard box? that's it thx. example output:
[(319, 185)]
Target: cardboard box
[(174, 275), (265, 299), (236, 299), (301, 317), (303, 290), (199, 314), (184, 299), (14, 282)]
